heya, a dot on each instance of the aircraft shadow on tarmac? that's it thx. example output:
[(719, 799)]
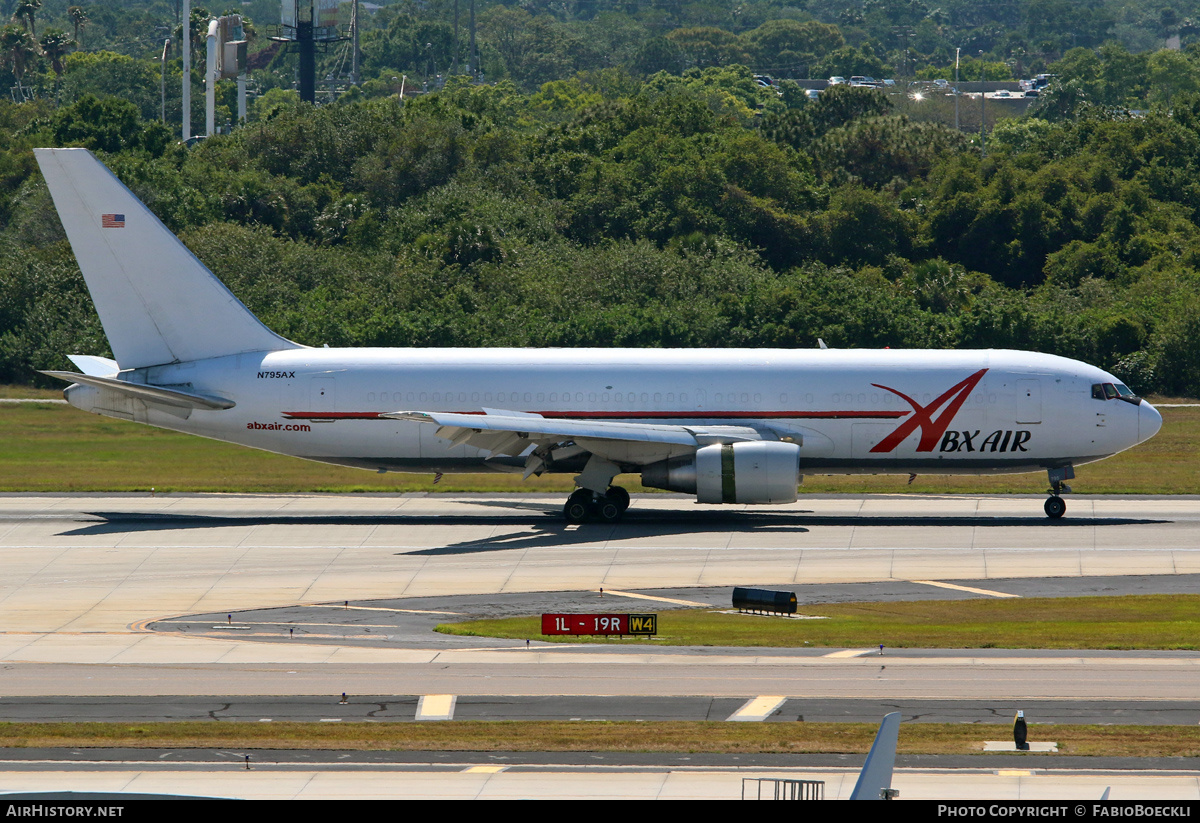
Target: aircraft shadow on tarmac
[(656, 524), (549, 530)]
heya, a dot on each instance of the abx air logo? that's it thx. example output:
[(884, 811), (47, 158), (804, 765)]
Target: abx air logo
[(932, 428)]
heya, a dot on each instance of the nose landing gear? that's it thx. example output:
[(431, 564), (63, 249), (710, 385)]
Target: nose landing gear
[(1055, 506), (584, 505)]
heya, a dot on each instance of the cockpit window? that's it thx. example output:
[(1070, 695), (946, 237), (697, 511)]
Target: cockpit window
[(1114, 391)]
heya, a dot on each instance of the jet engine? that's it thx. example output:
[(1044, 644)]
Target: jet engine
[(757, 471)]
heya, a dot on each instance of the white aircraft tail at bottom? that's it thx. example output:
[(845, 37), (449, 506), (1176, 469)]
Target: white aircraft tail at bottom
[(875, 779)]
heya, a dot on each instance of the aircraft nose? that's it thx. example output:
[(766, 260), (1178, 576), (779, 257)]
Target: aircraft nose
[(1149, 421)]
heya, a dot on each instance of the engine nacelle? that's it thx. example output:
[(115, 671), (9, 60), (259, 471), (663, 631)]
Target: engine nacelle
[(756, 471)]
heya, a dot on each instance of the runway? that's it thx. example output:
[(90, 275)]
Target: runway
[(83, 578)]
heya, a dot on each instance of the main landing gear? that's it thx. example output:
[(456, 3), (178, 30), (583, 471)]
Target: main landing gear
[(584, 504), (1055, 506)]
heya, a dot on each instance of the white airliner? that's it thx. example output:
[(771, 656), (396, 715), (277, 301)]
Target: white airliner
[(727, 425)]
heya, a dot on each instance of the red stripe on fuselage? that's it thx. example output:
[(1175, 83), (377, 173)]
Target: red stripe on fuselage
[(644, 415)]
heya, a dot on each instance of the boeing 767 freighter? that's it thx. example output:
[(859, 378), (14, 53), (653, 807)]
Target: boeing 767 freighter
[(727, 425)]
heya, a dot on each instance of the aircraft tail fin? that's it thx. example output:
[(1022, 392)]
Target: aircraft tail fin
[(876, 774), (157, 302)]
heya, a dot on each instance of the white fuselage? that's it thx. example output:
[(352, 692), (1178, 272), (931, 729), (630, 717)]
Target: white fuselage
[(852, 411)]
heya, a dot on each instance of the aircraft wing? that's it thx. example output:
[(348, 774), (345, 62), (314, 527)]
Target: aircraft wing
[(510, 433), (539, 428)]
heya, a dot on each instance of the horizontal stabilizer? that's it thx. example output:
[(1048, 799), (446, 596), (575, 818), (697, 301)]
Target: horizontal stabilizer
[(150, 394)]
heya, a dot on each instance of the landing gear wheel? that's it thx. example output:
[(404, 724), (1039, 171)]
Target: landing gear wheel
[(609, 510), (1055, 507), (578, 507), (619, 496)]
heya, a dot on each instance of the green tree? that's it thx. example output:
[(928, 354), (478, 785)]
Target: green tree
[(111, 125), (26, 12), (889, 151), (836, 107), (659, 54), (787, 46), (1171, 73), (78, 18), (17, 50), (108, 74), (708, 46), (56, 45)]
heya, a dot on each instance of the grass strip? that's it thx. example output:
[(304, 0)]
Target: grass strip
[(57, 448), (1127, 622), (589, 736)]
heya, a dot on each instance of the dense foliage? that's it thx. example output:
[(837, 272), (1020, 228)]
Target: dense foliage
[(579, 205)]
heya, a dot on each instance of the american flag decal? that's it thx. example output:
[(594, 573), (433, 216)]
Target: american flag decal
[(112, 221)]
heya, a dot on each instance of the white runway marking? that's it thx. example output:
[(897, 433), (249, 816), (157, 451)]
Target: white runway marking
[(758, 709), (970, 589), (436, 707), (373, 609), (676, 601), (845, 653)]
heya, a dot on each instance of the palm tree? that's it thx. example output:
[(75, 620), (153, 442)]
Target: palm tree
[(26, 10), (78, 17), (17, 48), (55, 45)]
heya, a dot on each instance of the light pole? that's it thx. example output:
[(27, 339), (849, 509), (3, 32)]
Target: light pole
[(956, 53), (163, 83), (982, 106), (187, 70)]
